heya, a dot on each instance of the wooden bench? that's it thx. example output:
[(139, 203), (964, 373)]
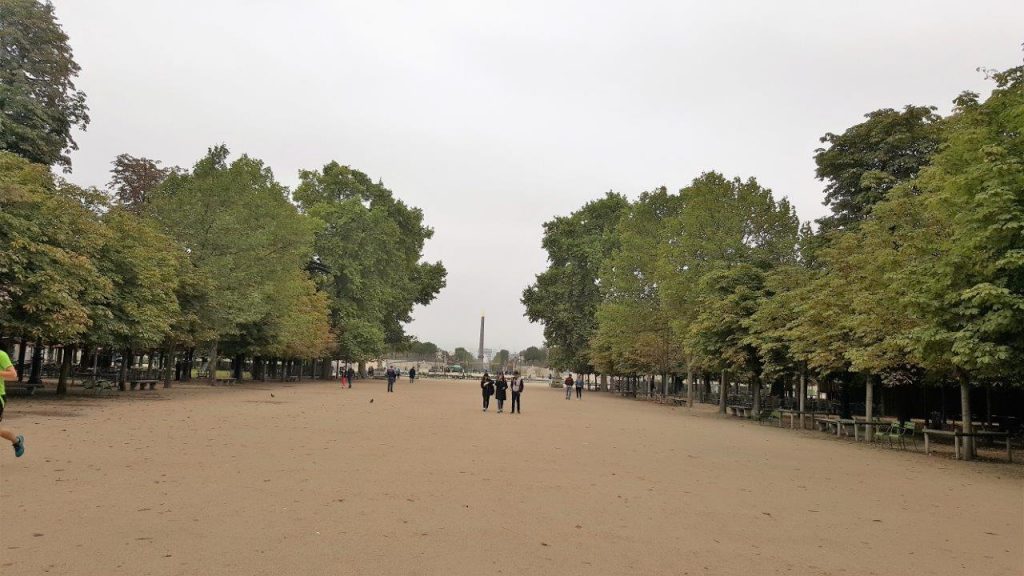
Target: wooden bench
[(677, 400), (960, 445), (142, 384), (291, 378), (226, 381)]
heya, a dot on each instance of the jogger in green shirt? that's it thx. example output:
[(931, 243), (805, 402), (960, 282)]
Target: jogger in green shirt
[(7, 372)]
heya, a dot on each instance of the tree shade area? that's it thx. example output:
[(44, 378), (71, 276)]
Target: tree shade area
[(184, 267), (915, 282)]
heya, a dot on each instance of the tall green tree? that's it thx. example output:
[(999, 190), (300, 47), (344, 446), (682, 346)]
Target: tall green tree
[(40, 106), (367, 257), (564, 298), (50, 236), (243, 237), (863, 163)]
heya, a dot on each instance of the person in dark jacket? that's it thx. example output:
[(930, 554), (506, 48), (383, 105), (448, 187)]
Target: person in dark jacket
[(499, 392), (392, 375), (487, 388), (517, 392), (412, 374)]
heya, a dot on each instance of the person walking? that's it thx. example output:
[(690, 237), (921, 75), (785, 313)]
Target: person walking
[(351, 375), (568, 386), (412, 374), (487, 389), (499, 392), (579, 387), (7, 372), (392, 375), (517, 393)]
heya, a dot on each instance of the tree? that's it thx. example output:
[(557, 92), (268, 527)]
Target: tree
[(132, 179), (463, 357), (863, 163), (724, 237), (367, 252), (39, 104), (965, 268), (49, 239), (243, 237), (566, 295), (142, 265), (634, 332), (535, 356)]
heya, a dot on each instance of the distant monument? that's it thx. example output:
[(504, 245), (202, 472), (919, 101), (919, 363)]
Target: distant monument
[(480, 354)]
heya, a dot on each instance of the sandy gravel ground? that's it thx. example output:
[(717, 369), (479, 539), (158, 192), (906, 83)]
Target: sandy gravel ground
[(317, 480)]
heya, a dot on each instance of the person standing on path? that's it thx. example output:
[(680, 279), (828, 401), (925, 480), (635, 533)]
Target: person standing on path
[(392, 375), (579, 387), (351, 374), (517, 392), (568, 386), (487, 389), (499, 392), (7, 372), (412, 374)]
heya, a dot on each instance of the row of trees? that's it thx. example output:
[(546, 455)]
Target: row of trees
[(222, 257), (916, 275)]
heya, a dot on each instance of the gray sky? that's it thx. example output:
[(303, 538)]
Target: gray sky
[(495, 116)]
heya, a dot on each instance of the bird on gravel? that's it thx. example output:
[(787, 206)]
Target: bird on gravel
[(371, 400), (271, 394)]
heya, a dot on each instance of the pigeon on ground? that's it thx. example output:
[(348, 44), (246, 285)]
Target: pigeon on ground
[(371, 400), (271, 394)]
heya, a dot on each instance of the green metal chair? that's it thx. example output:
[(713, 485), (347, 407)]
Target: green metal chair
[(895, 434), (909, 431)]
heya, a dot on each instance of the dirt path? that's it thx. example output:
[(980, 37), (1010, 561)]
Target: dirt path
[(317, 480)]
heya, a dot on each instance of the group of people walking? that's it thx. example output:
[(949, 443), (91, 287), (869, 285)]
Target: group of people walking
[(570, 384), (499, 389)]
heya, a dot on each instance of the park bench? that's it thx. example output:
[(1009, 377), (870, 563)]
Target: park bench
[(677, 400), (960, 445), (737, 410), (226, 381), (291, 378), (142, 384)]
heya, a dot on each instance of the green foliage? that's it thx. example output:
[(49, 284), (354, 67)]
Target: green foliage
[(142, 265), (39, 104), (463, 357), (863, 163), (535, 356), (566, 295), (633, 328), (243, 238), (368, 247), (50, 237)]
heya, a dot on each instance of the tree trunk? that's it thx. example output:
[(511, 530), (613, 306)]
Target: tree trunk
[(168, 361), (213, 361), (967, 444), (35, 377), (67, 358), (755, 388), (362, 369), (239, 365), (604, 382), (803, 393), (22, 348), (869, 406), (689, 386), (122, 374), (723, 392)]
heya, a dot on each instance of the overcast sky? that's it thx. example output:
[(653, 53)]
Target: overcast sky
[(495, 116)]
